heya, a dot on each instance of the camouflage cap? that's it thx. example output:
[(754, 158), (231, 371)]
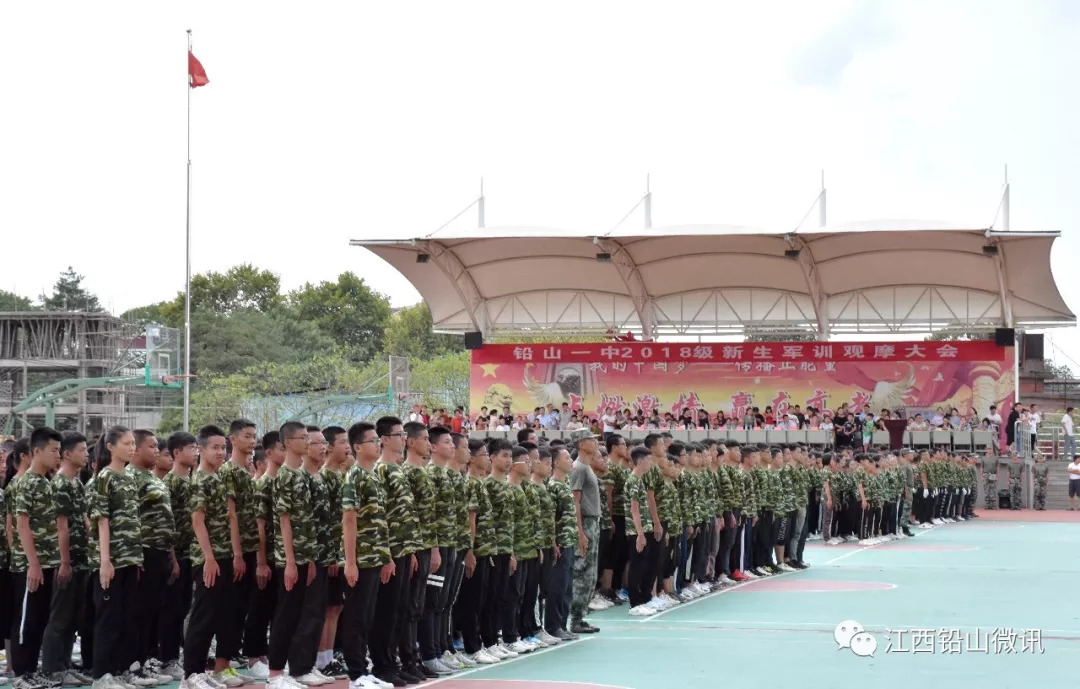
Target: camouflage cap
[(582, 434)]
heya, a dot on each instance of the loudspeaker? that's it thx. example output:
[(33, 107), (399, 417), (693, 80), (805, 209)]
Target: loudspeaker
[(1005, 337), (474, 340), (1033, 347)]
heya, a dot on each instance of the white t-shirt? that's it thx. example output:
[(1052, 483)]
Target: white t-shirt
[(609, 422), (1067, 424), (1072, 467), (1034, 421)]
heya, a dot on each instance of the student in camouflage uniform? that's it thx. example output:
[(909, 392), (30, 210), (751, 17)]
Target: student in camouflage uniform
[(35, 556), (1016, 472), (673, 516), (639, 529), (456, 475), (69, 583), (546, 525), (533, 557), (477, 553), (183, 448), (116, 552), (264, 598), (367, 548), (437, 596), (586, 491), (729, 499), (214, 555), (333, 477), (524, 550), (613, 567), (239, 485), (156, 529), (295, 553), (559, 587), (502, 558)]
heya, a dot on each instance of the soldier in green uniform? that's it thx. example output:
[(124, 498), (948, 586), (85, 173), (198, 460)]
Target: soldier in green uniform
[(332, 474), (116, 552), (559, 585), (456, 475), (35, 555), (437, 596), (69, 582), (157, 530), (546, 522), (183, 449), (477, 552), (502, 558), (729, 501), (367, 548), (524, 551), (295, 554), (532, 486), (240, 494), (1016, 472), (586, 491), (214, 556), (264, 596), (1041, 475), (639, 529)]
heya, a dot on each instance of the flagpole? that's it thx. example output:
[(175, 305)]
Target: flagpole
[(187, 250)]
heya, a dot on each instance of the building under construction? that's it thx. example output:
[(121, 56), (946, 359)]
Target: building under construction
[(42, 348)]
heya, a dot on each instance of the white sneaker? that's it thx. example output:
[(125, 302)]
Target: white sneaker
[(464, 659), (669, 599), (850, 539), (361, 683), (750, 575), (198, 681), (599, 603), (642, 611), (320, 673), (312, 680), (510, 653), (376, 682), (497, 652), (726, 580), (657, 603), (548, 638), (686, 596), (450, 660), (785, 567), (230, 678), (520, 647), (259, 672), (482, 657)]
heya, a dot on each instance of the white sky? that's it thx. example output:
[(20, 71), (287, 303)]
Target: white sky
[(329, 121)]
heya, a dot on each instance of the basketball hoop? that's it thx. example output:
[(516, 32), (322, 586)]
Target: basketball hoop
[(169, 380)]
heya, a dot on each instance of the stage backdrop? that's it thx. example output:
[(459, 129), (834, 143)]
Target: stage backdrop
[(731, 377)]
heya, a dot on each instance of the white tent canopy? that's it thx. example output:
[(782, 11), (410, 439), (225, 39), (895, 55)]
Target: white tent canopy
[(882, 277)]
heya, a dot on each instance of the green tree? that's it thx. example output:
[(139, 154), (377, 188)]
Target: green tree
[(9, 301), (240, 288), (410, 334), (442, 381), (228, 343), (348, 311), (69, 294), (1057, 370), (152, 313)]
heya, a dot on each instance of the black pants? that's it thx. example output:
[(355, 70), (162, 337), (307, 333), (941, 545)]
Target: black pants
[(65, 615), (115, 621), (310, 625), (390, 614), (240, 599), (622, 552), (700, 551), (510, 605), (176, 602), (763, 539), (559, 590), (800, 546), (446, 619), (407, 644), (436, 599), (87, 618), (356, 619), (722, 563), (498, 583), (157, 566), (211, 615), (527, 625), (262, 603), (285, 644), (470, 604), (29, 621), (642, 573), (735, 551)]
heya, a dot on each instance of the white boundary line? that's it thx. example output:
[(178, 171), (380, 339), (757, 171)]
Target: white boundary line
[(509, 661), (714, 594)]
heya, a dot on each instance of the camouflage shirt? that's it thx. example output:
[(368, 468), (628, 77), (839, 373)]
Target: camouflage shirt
[(35, 500), (635, 492), (619, 474), (545, 513), (476, 500), (335, 485), (326, 548), (4, 554), (400, 509), (208, 497), (606, 484), (241, 488), (427, 510), (446, 516), (502, 510), (668, 506), (363, 494), (456, 479), (292, 496), (180, 500), (113, 495), (726, 497), (264, 510), (158, 526), (566, 531), (524, 524), (750, 500), (11, 492)]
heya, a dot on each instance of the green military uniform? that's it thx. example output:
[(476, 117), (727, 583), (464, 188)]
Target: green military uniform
[(635, 491), (423, 494), (362, 493), (291, 491), (400, 509), (326, 548), (502, 510), (208, 497), (158, 526), (546, 511), (477, 500), (1016, 471), (179, 488), (457, 481), (4, 554), (446, 525), (1040, 472), (264, 510), (35, 500), (668, 507), (990, 488), (70, 497), (619, 505), (113, 495), (526, 518), (11, 494), (241, 488), (334, 481)]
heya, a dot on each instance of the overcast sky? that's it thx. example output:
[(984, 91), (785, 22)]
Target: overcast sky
[(329, 121)]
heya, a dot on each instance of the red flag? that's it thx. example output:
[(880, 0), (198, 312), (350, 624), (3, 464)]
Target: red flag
[(196, 72)]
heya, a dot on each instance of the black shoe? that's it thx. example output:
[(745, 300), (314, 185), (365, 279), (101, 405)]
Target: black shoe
[(392, 678), (429, 674), (410, 677), (335, 670), (583, 628)]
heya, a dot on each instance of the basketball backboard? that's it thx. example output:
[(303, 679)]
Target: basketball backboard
[(163, 361)]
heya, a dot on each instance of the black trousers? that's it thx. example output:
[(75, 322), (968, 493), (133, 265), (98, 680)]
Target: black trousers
[(559, 590), (157, 565), (30, 618), (436, 600), (800, 548), (498, 583), (240, 599), (87, 618), (446, 619), (722, 563), (735, 552), (510, 605), (261, 607), (407, 644), (211, 615), (310, 625), (642, 573), (176, 601), (356, 619), (471, 602), (390, 613), (65, 615), (622, 552), (527, 625), (763, 539), (285, 644), (115, 621)]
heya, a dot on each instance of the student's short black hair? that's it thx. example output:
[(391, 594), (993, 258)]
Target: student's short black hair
[(556, 443), (826, 459), (518, 451), (289, 429), (330, 433), (529, 446), (677, 448), (667, 435), (413, 429), (435, 433), (475, 445), (385, 425), (270, 439), (357, 431), (239, 425), (41, 437), (70, 440), (652, 439), (312, 428), (141, 434), (458, 437), (544, 453), (638, 454), (180, 440), (497, 445), (613, 440), (524, 433), (208, 432)]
